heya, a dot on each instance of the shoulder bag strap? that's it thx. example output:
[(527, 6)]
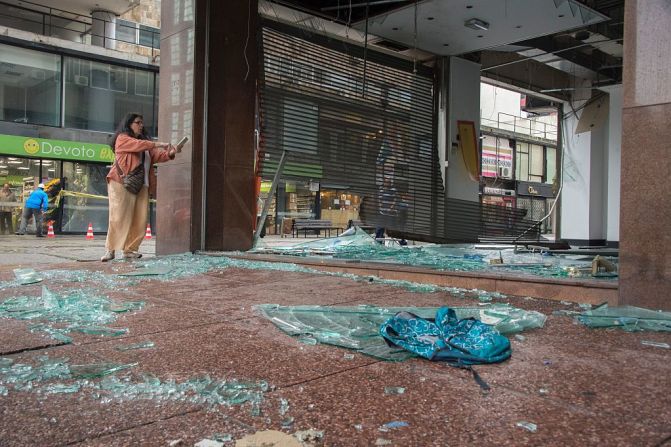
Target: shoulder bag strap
[(118, 167)]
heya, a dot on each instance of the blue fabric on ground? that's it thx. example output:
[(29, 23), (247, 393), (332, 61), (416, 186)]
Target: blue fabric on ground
[(464, 342)]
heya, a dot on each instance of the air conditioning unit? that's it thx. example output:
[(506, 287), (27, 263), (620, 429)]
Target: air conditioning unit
[(505, 172), (81, 80)]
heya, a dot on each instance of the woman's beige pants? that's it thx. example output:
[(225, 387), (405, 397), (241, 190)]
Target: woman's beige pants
[(127, 217)]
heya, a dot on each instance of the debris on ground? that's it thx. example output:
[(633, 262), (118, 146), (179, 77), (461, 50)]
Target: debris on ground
[(148, 271), (131, 347), (222, 437), (656, 344), (309, 436), (392, 425), (627, 318), (58, 375), (268, 438), (356, 245), (394, 390), (529, 426), (208, 443), (601, 265), (61, 313), (446, 337), (357, 327), (27, 276)]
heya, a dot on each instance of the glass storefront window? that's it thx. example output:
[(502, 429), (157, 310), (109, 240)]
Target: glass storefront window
[(536, 163), (22, 175), (522, 162), (98, 95), (30, 86), (16, 169), (51, 169), (550, 164), (78, 212), (10, 174)]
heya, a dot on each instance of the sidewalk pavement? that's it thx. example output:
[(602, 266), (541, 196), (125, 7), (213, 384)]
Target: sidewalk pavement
[(28, 250), (577, 386)]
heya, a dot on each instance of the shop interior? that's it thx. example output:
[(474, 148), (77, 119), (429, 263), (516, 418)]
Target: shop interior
[(74, 213), (307, 200)]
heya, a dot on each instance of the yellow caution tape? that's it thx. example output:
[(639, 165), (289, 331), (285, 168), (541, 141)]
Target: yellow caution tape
[(64, 193)]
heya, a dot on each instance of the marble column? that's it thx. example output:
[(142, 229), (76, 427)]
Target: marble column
[(207, 92), (645, 208)]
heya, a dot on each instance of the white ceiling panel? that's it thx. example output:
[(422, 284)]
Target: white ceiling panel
[(440, 25)]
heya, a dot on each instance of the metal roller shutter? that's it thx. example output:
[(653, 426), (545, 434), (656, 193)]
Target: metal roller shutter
[(365, 125)]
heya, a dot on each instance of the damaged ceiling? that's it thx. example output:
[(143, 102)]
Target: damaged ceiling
[(549, 46)]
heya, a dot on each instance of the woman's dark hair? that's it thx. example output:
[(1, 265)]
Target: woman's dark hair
[(124, 127)]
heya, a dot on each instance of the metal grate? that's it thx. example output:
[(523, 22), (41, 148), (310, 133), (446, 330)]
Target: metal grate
[(367, 124)]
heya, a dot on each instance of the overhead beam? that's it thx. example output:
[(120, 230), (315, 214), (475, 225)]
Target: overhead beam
[(521, 72), (572, 50)]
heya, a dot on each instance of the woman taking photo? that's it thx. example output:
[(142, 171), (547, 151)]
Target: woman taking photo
[(128, 185)]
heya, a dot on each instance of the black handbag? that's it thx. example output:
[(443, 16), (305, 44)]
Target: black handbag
[(134, 180)]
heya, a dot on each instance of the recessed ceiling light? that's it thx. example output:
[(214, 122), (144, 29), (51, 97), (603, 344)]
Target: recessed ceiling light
[(477, 24)]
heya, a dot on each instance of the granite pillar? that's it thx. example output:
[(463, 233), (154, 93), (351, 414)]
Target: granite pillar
[(207, 92), (645, 209)]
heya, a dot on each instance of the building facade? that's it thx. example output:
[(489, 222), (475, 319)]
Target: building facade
[(61, 99), (518, 157)]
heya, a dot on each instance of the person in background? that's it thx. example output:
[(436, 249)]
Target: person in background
[(36, 205), (388, 208), (128, 211), (7, 196)]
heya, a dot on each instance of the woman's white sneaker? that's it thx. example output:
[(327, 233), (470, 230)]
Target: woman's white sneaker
[(108, 256)]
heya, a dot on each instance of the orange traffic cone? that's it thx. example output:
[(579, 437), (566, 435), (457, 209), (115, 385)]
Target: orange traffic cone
[(89, 232), (50, 231), (147, 234)]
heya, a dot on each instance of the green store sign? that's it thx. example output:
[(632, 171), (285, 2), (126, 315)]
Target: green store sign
[(57, 149)]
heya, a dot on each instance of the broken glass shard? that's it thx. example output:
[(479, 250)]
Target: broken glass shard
[(58, 388), (142, 345), (357, 327), (94, 370), (100, 330), (393, 390), (529, 426), (627, 318), (27, 276)]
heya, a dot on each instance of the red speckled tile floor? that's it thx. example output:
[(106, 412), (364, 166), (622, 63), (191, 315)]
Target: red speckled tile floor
[(581, 387)]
